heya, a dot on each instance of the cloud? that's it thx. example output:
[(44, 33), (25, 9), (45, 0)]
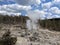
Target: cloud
[(13, 9), (9, 13), (56, 1), (41, 14), (46, 5), (36, 14), (28, 2), (37, 2), (47, 11), (53, 16), (55, 10)]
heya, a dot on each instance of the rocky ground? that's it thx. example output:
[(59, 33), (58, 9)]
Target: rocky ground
[(32, 37)]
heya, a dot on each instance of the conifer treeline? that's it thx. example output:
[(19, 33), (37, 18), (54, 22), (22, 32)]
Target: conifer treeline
[(12, 19), (52, 24)]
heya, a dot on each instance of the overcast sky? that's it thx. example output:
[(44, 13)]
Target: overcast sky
[(34, 8)]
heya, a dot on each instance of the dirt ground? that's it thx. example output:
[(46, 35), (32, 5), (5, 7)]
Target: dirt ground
[(32, 37)]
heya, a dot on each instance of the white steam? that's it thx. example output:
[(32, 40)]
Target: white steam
[(34, 16), (29, 24)]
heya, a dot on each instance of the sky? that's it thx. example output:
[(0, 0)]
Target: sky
[(37, 9)]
